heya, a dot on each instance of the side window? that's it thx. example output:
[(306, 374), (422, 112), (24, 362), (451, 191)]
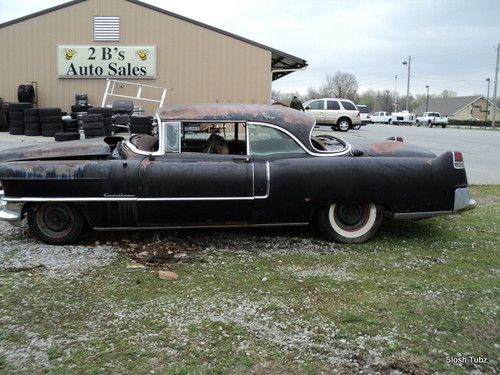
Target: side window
[(332, 104), (348, 106), (264, 140), (317, 104), (172, 136)]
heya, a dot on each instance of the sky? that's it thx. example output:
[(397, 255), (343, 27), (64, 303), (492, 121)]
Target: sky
[(452, 43)]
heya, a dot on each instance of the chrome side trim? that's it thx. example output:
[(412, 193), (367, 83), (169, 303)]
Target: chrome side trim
[(122, 199), (203, 226), (268, 183), (420, 215)]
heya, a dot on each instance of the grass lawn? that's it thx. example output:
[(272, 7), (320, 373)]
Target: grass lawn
[(419, 292)]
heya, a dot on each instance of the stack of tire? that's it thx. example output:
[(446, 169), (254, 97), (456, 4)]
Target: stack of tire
[(76, 109), (70, 131), (93, 125), (32, 122), (141, 124), (16, 117), (107, 114), (51, 121)]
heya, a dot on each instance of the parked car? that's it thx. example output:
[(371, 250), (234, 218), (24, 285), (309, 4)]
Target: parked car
[(384, 117), (403, 117), (226, 165), (342, 114), (432, 118), (364, 113)]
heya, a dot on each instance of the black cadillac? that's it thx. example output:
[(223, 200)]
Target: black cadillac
[(227, 165)]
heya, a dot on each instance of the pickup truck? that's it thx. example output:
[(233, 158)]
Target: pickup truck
[(403, 117), (432, 118)]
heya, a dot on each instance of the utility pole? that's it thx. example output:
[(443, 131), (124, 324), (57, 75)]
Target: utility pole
[(487, 100), (495, 89), (408, 63), (387, 100), (395, 94), (427, 99)]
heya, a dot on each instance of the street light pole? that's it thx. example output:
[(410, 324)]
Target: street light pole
[(495, 88), (427, 99), (395, 94), (408, 64), (487, 99), (387, 100)]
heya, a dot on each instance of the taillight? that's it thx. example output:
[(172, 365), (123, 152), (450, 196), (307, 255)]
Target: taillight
[(357, 115), (458, 160)]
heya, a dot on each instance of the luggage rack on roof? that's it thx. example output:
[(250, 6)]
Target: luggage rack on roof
[(112, 84)]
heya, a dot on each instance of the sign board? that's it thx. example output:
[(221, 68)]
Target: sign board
[(106, 61)]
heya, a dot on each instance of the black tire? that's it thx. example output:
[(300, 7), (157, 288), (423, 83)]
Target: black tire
[(356, 127), (17, 123), (140, 129), (60, 137), (417, 123), (32, 125), (93, 117), (350, 223), (32, 132), (52, 126), (31, 118), (94, 133), (107, 121), (79, 108), (50, 111), (19, 106), (15, 130), (344, 124), (25, 93), (389, 121), (31, 112), (55, 223), (70, 129), (443, 126), (104, 111), (50, 119), (16, 115), (50, 133), (141, 119), (92, 125)]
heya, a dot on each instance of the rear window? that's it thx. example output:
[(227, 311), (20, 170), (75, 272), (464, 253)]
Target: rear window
[(332, 104), (363, 109), (348, 106)]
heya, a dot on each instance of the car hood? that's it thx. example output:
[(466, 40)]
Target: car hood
[(55, 150), (393, 148)]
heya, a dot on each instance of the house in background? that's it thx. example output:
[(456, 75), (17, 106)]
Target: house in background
[(461, 107)]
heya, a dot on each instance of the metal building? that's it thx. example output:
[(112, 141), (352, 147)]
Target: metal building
[(72, 48)]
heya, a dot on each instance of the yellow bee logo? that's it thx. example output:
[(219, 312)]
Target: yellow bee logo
[(143, 54), (69, 53)]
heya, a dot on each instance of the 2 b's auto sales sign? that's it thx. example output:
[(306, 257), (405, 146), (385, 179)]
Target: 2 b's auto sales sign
[(106, 62)]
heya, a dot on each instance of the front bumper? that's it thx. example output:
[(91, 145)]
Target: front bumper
[(463, 201), (10, 212)]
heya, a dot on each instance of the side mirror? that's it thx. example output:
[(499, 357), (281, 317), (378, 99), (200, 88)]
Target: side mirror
[(308, 108)]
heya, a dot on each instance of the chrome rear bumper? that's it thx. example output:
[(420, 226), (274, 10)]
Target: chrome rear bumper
[(10, 212), (463, 201)]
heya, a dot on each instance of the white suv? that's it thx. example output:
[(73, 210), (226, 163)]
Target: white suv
[(342, 114)]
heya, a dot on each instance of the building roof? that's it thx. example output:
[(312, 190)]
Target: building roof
[(449, 106), (279, 60)]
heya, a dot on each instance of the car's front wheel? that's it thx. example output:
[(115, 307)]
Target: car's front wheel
[(350, 223), (55, 223), (344, 124)]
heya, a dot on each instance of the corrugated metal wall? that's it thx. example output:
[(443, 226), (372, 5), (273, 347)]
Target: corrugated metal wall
[(200, 65)]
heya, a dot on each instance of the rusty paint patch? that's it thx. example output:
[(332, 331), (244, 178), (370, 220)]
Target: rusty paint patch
[(386, 147)]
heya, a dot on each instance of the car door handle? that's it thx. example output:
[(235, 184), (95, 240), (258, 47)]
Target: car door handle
[(246, 159)]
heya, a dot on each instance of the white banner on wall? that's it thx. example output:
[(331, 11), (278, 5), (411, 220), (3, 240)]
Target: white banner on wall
[(106, 62)]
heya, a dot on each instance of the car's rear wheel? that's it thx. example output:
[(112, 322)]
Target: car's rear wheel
[(429, 123), (55, 223), (417, 123), (344, 124), (350, 223)]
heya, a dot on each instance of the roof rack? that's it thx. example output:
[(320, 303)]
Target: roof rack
[(112, 84)]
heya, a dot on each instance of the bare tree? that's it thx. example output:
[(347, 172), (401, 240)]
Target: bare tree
[(448, 94), (341, 85), (313, 93)]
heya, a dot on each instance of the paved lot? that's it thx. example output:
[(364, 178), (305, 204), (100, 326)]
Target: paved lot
[(481, 148)]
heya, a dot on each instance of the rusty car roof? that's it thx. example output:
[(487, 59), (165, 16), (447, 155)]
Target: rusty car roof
[(296, 122)]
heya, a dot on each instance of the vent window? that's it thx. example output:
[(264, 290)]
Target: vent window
[(106, 28)]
